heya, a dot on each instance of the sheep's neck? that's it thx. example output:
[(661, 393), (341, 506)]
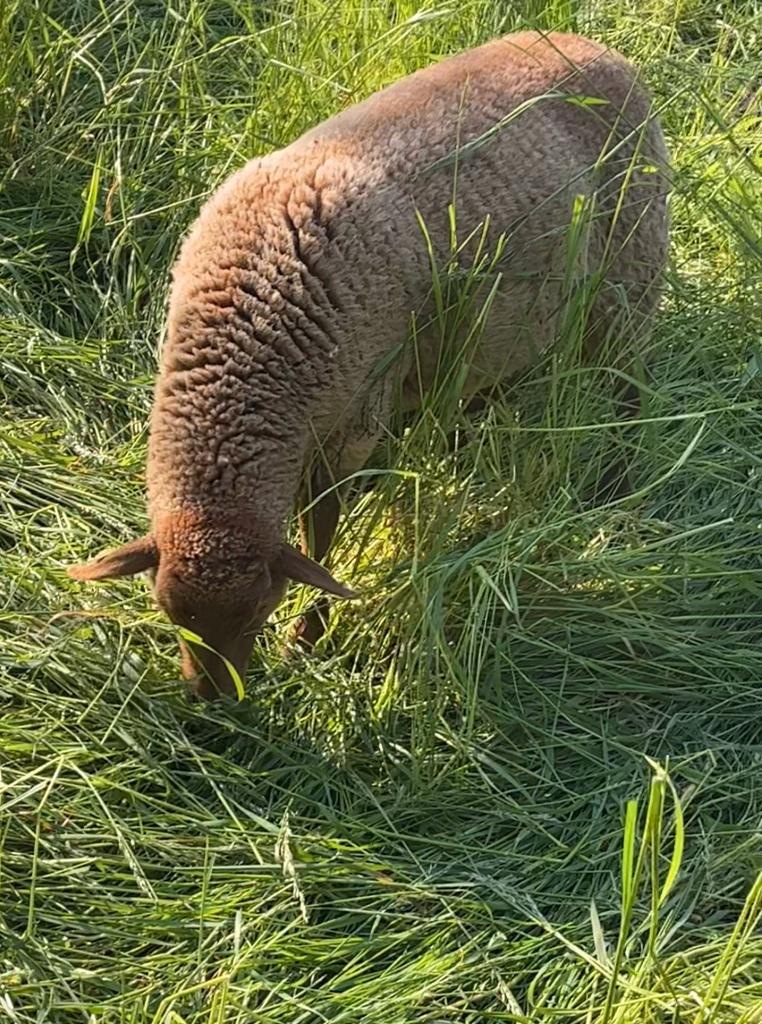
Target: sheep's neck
[(227, 451), (250, 359)]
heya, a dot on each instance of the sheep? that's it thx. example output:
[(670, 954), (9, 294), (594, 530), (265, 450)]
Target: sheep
[(299, 278)]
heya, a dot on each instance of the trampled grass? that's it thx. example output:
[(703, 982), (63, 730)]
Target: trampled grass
[(523, 783)]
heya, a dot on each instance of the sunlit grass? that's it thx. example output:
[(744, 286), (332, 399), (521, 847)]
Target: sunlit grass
[(522, 781)]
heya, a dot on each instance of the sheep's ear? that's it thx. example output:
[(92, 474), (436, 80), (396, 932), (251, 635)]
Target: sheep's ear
[(302, 569), (137, 556)]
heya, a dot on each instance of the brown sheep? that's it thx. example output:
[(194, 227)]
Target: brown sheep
[(298, 281)]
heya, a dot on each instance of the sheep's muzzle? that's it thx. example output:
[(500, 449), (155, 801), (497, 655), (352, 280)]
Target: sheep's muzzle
[(208, 675)]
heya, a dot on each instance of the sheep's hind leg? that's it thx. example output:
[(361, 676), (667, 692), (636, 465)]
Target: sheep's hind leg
[(616, 480), (475, 404)]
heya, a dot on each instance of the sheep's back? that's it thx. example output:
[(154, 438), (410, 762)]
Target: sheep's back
[(513, 131)]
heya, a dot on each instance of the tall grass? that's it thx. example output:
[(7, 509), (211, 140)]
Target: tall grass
[(522, 782)]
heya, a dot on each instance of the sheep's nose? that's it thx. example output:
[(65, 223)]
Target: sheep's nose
[(191, 696), (206, 677)]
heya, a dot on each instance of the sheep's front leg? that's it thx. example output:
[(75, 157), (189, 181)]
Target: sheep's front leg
[(317, 527)]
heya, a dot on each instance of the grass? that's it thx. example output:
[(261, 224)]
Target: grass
[(523, 783)]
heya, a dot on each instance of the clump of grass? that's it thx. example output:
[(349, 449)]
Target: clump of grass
[(521, 784)]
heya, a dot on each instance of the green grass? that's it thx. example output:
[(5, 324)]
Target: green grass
[(524, 783)]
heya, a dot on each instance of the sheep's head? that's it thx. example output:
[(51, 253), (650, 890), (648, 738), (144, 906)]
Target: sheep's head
[(225, 609)]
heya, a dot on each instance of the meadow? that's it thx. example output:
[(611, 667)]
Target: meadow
[(523, 782)]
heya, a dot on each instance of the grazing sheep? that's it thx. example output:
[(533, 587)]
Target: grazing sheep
[(298, 282)]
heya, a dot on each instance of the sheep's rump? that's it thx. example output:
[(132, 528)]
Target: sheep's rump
[(551, 139)]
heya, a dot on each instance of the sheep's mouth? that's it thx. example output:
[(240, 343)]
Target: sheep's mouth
[(210, 675), (203, 688), (205, 685)]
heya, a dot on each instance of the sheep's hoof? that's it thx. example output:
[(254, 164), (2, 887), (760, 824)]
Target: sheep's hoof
[(307, 630)]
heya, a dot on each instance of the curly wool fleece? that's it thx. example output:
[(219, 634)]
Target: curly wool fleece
[(299, 278)]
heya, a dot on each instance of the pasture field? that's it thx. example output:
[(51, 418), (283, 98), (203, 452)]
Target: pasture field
[(524, 781)]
